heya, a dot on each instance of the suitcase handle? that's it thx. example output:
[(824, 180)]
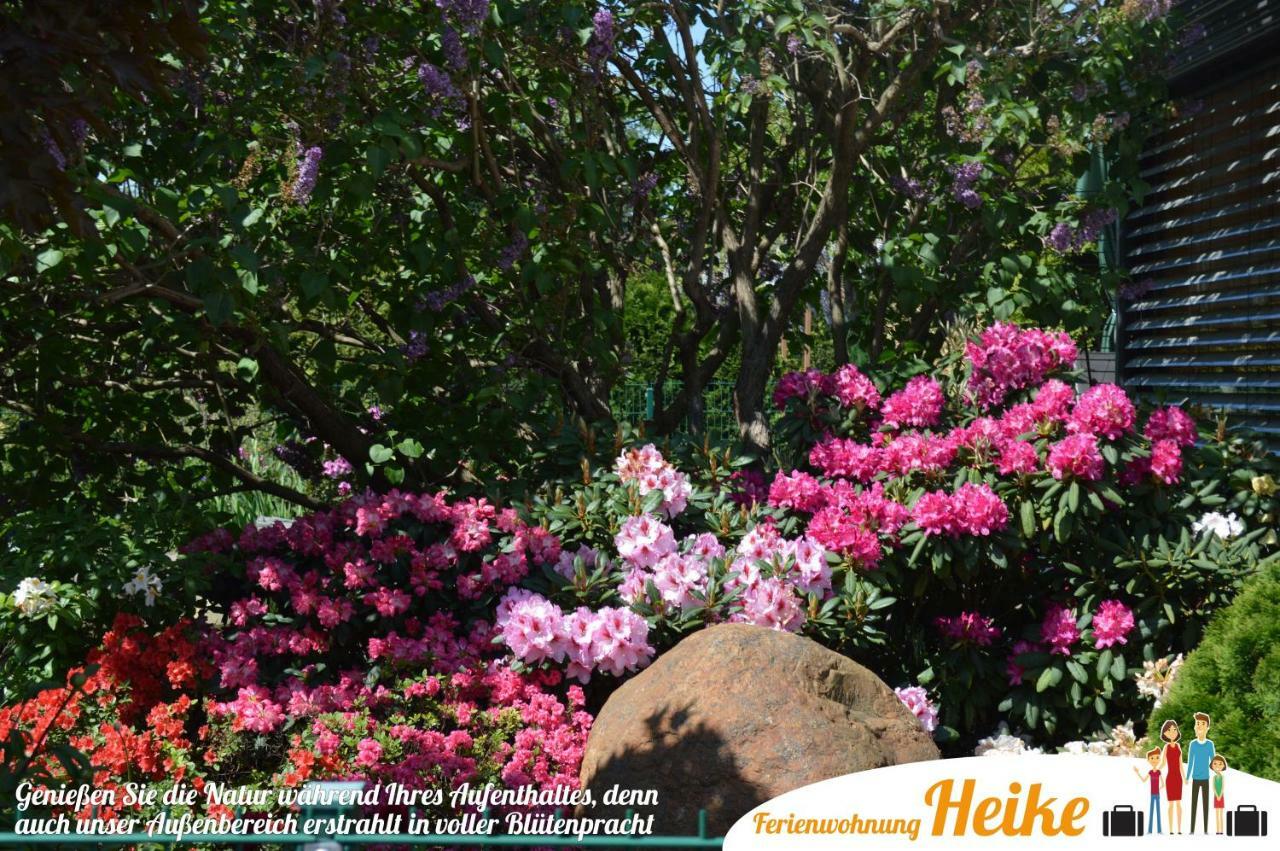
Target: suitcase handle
[(1129, 807), (1253, 807)]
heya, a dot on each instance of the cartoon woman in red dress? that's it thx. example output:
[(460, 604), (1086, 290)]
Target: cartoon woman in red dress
[(1171, 756)]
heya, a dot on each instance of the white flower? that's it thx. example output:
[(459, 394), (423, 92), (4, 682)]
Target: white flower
[(34, 597), (1003, 743), (1225, 527), (1156, 678), (146, 583)]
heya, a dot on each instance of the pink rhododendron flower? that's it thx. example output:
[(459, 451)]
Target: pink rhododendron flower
[(979, 510), (799, 491), (971, 510), (846, 458), (1171, 423), (647, 468), (855, 390), (1058, 629), (917, 700), (1104, 410), (1112, 623), (1017, 456), (934, 513), (643, 540), (795, 385), (1006, 358), (1166, 461), (919, 404), (771, 603), (969, 628), (1054, 401), (1012, 669), (1076, 456)]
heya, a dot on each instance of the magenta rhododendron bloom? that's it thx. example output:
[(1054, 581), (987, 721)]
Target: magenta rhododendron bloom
[(799, 491), (917, 700), (1018, 456), (1112, 623), (1013, 670), (1006, 358), (1059, 630), (1076, 456), (798, 385), (969, 628), (971, 510), (1171, 423), (855, 390), (919, 404), (1104, 410), (1166, 461)]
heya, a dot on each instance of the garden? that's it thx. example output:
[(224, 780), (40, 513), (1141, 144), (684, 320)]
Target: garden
[(321, 322)]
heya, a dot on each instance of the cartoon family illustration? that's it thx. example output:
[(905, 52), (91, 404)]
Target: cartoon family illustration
[(1204, 768)]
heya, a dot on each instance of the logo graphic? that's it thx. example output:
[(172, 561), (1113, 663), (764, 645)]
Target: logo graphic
[(992, 802), (1122, 820)]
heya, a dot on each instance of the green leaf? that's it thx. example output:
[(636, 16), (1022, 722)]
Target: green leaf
[(1049, 678), (380, 454), (248, 368), (218, 305), (409, 448), (252, 217), (1028, 512), (48, 259)]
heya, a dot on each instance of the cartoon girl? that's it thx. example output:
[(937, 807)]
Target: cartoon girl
[(1218, 765), (1171, 757)]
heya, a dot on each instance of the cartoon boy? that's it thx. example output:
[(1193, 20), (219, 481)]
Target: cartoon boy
[(1152, 776), (1218, 765), (1200, 755)]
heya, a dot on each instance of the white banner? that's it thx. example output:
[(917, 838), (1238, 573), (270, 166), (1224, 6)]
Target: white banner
[(1009, 801)]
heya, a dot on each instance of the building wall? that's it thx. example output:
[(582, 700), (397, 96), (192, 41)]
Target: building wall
[(1200, 323)]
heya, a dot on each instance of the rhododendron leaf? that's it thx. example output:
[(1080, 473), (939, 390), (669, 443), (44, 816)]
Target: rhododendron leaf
[(1048, 678), (1073, 496), (1077, 671), (1028, 514), (1104, 662), (1118, 668)]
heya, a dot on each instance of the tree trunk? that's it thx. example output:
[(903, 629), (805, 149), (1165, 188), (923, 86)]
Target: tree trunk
[(749, 392)]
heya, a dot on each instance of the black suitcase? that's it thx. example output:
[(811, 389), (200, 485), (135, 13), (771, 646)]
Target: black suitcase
[(1247, 820), (1122, 820)]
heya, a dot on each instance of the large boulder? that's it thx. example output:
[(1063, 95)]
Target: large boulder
[(734, 715)]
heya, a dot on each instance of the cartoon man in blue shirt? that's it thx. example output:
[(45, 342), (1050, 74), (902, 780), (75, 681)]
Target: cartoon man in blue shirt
[(1200, 755)]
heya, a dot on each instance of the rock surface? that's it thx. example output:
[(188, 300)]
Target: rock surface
[(736, 714)]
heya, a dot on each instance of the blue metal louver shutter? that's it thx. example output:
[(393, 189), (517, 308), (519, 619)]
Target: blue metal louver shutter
[(1204, 253)]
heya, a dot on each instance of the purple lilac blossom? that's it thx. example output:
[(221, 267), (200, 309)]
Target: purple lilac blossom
[(440, 88), (602, 36), (417, 345), (55, 152), (908, 186), (454, 53), (963, 177), (467, 14), (513, 251), (308, 171)]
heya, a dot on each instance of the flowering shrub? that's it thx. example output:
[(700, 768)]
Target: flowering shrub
[(996, 547), (1028, 546)]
